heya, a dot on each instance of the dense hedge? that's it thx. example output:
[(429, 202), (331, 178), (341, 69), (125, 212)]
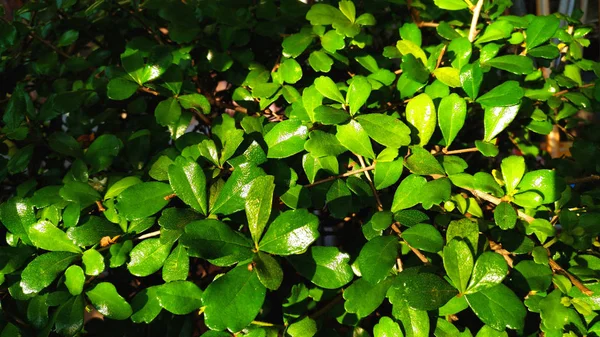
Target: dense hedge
[(270, 168)]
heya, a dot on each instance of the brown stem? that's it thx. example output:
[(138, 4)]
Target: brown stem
[(417, 252), (476, 12), (593, 177), (439, 59), (558, 269), (428, 24), (562, 92), (362, 164), (446, 152), (170, 196), (347, 174), (496, 201), (149, 91), (100, 206)]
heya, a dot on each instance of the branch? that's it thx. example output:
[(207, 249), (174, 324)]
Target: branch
[(417, 252), (558, 269), (476, 12), (347, 174), (592, 178), (446, 152), (379, 204), (562, 92), (496, 201)]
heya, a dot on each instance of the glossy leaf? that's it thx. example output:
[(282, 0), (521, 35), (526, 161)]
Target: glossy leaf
[(545, 182), (497, 119), (407, 195), (458, 262), (424, 237), (189, 183), (354, 137), (498, 307), (286, 139), (108, 302), (143, 200), (358, 93), (377, 257), (451, 116), (425, 291), (44, 269), (540, 30), (329, 89), (363, 297), (233, 300), (421, 162), (46, 235), (379, 127), (268, 270), (490, 269), (290, 233), (421, 116), (179, 297), (326, 267), (177, 265), (148, 257), (258, 205)]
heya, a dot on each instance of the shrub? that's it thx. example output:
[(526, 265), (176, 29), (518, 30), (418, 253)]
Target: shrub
[(270, 168)]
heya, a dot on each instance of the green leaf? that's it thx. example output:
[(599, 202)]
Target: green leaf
[(258, 205), (451, 5), (487, 149), (422, 162), (411, 32), (37, 312), (167, 112), (231, 197), (380, 127), (322, 14), (177, 265), (268, 270), (381, 220), (217, 242), (424, 237), (387, 328), (505, 216), (18, 216), (143, 200), (108, 302), (145, 305), (189, 183), (449, 76), (387, 174), (44, 269), (425, 291), (540, 30), (531, 276), (148, 257), (329, 89), (497, 30), (92, 231), (69, 316), (545, 182), (46, 235), (196, 102), (471, 77), (487, 331), (339, 199), (306, 327), (506, 94), (327, 115), (451, 116), (363, 297), (74, 280), (120, 88), (233, 300), (93, 261), (358, 93), (458, 262), (322, 144), (516, 64), (326, 267), (290, 233), (355, 138), (80, 193), (101, 153), (496, 119), (377, 257), (296, 44), (421, 116), (286, 138), (319, 61), (291, 71), (119, 253), (115, 189), (179, 297), (408, 193), (332, 42), (490, 269), (407, 47), (498, 307), (415, 322), (347, 7), (513, 169), (65, 144)]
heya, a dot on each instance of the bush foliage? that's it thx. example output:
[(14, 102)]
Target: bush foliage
[(271, 168)]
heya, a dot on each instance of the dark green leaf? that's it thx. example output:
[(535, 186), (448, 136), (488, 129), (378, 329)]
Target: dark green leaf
[(177, 265), (268, 270), (516, 64), (18, 216), (232, 301), (490, 269), (189, 183), (424, 237), (458, 262), (148, 257), (377, 257), (505, 216), (326, 267), (44, 269), (179, 297), (363, 297), (46, 235), (290, 233), (143, 200), (425, 291), (108, 302), (498, 307)]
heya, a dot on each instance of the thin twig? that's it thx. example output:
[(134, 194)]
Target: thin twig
[(593, 177), (476, 12), (147, 235), (417, 252), (347, 174), (562, 92), (558, 269), (428, 24), (362, 164), (446, 152), (496, 201), (440, 57)]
